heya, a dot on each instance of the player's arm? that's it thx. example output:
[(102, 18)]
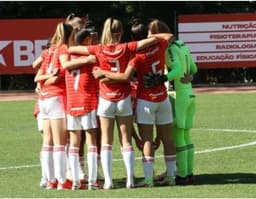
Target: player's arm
[(144, 43), (38, 88), (83, 50), (70, 64), (37, 63), (188, 78), (150, 80), (47, 78), (153, 39), (166, 36), (52, 80), (117, 76), (56, 76), (193, 67), (174, 63), (107, 80), (40, 77)]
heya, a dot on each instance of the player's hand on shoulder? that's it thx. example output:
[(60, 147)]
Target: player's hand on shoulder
[(186, 79)]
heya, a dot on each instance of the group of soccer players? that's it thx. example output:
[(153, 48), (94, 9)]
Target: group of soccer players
[(85, 87)]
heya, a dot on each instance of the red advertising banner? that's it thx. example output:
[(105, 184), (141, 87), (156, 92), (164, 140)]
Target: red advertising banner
[(22, 41), (220, 40)]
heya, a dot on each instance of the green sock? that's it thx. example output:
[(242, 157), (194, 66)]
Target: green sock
[(191, 152), (190, 160), (181, 152), (181, 161)]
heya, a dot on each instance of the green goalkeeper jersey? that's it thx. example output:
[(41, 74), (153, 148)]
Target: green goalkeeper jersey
[(179, 62)]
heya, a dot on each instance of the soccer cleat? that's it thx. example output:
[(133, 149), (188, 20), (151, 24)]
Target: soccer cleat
[(167, 181), (147, 182), (82, 181), (66, 185), (161, 176), (181, 180), (52, 184), (78, 187), (130, 186), (94, 186), (191, 179), (98, 184), (108, 186), (43, 183), (75, 187)]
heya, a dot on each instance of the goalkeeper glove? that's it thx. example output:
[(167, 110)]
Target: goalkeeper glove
[(152, 80)]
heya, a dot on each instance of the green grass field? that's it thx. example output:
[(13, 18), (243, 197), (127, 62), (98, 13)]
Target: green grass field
[(224, 136)]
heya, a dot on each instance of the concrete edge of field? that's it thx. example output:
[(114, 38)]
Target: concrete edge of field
[(30, 95)]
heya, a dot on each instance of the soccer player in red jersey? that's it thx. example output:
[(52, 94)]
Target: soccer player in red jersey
[(82, 101), (36, 64), (153, 105), (114, 100), (37, 115), (78, 23), (52, 103), (182, 66)]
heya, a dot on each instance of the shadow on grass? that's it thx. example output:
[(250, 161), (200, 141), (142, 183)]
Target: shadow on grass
[(206, 179), (225, 178), (121, 183)]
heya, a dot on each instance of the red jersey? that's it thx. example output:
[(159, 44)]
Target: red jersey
[(114, 58), (50, 63), (134, 86), (151, 59), (82, 90)]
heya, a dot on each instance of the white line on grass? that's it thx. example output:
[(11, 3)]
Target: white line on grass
[(227, 148), (198, 152), (19, 167), (216, 149), (227, 130)]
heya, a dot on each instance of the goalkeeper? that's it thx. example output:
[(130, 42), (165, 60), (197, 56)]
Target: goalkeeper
[(181, 69)]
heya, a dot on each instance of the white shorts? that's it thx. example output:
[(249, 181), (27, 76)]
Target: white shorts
[(83, 122), (39, 122), (112, 109), (154, 112), (52, 108)]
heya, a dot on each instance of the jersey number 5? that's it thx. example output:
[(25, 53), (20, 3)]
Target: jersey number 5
[(154, 67)]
